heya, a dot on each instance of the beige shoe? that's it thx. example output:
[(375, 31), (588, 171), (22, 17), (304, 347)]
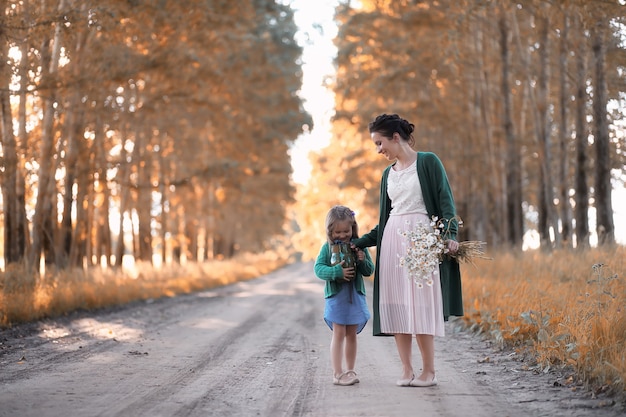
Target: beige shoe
[(352, 374), (405, 382), (420, 383), (345, 379)]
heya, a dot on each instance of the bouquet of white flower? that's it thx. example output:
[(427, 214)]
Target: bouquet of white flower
[(426, 247)]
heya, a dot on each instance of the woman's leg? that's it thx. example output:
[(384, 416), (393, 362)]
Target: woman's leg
[(351, 346), (404, 344), (426, 344), (336, 348)]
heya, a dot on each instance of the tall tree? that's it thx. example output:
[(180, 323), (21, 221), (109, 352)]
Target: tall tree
[(8, 177), (602, 190), (581, 195), (544, 138), (514, 218), (564, 136), (42, 223)]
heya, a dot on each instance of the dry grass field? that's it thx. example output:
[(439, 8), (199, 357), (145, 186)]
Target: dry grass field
[(24, 298), (565, 308)]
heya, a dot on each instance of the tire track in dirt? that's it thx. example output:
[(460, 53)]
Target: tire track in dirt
[(240, 367)]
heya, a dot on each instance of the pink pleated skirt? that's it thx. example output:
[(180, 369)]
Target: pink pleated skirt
[(403, 306)]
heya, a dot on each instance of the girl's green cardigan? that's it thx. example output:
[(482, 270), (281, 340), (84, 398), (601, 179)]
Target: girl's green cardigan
[(439, 202), (333, 275)]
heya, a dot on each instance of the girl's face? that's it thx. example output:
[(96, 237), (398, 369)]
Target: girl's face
[(389, 147), (342, 231)]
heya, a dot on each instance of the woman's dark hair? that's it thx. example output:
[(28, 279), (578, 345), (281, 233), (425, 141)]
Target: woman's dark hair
[(388, 124)]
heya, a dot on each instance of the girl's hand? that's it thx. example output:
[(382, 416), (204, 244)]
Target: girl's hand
[(453, 246), (348, 273)]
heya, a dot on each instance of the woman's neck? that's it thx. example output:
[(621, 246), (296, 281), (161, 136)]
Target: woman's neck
[(405, 160)]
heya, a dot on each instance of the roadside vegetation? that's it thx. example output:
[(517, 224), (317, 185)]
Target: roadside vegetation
[(25, 297), (560, 309)]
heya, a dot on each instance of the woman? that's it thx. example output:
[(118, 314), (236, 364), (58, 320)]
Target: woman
[(413, 189)]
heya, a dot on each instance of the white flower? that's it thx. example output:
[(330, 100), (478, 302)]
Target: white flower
[(424, 249)]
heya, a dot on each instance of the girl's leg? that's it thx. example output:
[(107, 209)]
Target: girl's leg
[(426, 344), (404, 343), (336, 348), (351, 346)]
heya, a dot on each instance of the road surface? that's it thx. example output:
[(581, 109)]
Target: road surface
[(256, 348)]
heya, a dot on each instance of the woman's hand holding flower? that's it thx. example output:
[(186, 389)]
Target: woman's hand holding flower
[(453, 246)]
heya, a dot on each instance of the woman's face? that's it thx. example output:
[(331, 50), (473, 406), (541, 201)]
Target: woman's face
[(342, 231), (389, 147)]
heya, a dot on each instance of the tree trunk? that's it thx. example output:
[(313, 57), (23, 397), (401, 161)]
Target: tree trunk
[(124, 191), (564, 139), (74, 124), (581, 211), (493, 191), (9, 178), (514, 217), (144, 204), (602, 190), (74, 127), (23, 241), (544, 139), (12, 200), (50, 52), (102, 198), (163, 170), (534, 106), (80, 235)]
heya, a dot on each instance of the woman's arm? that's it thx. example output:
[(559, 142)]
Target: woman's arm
[(367, 240), (366, 266)]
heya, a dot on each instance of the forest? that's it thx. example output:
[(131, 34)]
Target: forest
[(148, 128), (523, 101), (157, 130), (160, 131)]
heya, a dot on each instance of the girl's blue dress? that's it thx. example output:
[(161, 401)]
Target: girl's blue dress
[(347, 307)]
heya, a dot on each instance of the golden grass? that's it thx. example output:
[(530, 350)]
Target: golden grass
[(565, 308), (25, 298)]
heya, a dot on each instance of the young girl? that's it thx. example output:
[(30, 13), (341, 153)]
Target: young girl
[(346, 310)]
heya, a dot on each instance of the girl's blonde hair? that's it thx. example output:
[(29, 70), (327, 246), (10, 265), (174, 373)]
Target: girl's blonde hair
[(339, 214)]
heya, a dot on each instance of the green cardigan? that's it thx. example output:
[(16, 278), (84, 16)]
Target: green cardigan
[(333, 275), (439, 202)]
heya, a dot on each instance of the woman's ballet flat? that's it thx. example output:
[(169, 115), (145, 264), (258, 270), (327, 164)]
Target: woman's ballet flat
[(405, 382), (345, 379), (352, 374), (419, 383)]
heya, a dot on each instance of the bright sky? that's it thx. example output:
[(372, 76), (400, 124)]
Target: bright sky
[(317, 30)]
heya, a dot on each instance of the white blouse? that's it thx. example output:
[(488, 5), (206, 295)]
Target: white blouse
[(405, 192)]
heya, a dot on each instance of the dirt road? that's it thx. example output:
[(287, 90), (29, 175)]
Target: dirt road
[(258, 348)]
